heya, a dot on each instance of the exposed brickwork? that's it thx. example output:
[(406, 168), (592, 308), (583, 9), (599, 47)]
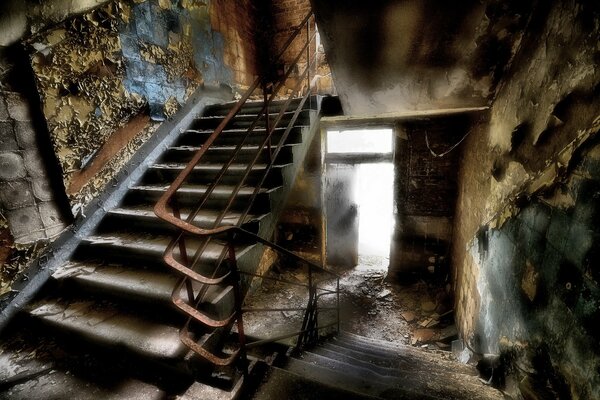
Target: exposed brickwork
[(235, 21)]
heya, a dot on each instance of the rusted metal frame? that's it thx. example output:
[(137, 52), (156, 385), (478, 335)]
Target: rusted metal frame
[(170, 260), (262, 147), (253, 163), (338, 305), (276, 153), (160, 208), (308, 88), (183, 251), (274, 279), (293, 36), (185, 337), (175, 186), (283, 336), (285, 251), (237, 293), (267, 119)]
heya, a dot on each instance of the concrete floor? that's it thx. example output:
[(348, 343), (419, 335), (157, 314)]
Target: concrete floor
[(418, 314)]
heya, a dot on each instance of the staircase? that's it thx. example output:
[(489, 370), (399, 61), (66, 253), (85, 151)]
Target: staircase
[(355, 368), (112, 301)]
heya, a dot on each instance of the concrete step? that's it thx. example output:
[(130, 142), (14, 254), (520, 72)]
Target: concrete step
[(352, 378), (283, 384), (142, 287), (196, 137), (188, 195), (58, 384), (388, 365), (109, 325), (206, 173), (144, 219), (246, 120), (252, 107), (437, 384), (223, 153), (383, 349), (136, 247)]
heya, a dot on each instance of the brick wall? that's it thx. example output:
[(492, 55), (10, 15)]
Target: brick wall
[(236, 21)]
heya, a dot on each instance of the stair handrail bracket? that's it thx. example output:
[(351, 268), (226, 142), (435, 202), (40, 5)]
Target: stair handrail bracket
[(185, 259)]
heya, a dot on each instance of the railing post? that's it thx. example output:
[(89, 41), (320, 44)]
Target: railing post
[(267, 117), (183, 253), (237, 293), (308, 56), (338, 304)]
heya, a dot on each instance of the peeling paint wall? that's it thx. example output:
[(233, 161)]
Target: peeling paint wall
[(524, 250), (398, 55), (99, 70)]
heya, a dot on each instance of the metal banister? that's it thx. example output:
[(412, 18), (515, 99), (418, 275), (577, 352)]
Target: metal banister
[(185, 264)]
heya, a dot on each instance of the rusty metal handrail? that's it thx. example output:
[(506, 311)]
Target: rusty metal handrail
[(168, 210)]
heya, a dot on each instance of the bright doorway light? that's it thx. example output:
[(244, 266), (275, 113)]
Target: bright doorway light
[(375, 199), (360, 141)]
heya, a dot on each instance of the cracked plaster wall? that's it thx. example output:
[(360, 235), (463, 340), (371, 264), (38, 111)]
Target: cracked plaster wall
[(398, 55), (102, 69), (98, 70), (524, 251)]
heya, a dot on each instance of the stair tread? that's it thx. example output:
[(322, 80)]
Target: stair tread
[(382, 348), (242, 115), (66, 385), (156, 244), (233, 130), (213, 166), (200, 189), (390, 364), (407, 376), (224, 148), (366, 382), (152, 284), (107, 324), (203, 219), (284, 384)]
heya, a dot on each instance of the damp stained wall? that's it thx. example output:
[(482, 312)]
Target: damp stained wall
[(525, 250), (426, 162), (101, 74), (398, 55)]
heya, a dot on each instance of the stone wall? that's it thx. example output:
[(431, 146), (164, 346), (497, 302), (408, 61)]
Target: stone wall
[(524, 250)]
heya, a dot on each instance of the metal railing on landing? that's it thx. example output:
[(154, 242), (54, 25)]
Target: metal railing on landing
[(191, 289)]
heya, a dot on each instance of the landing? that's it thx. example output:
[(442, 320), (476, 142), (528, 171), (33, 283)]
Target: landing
[(417, 314)]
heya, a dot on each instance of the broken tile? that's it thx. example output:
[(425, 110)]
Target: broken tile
[(423, 335), (408, 316), (427, 306)]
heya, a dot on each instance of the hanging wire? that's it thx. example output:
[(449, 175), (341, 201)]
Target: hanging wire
[(447, 151)]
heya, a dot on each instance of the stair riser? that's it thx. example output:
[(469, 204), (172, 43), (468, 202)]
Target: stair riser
[(285, 156), (114, 222), (215, 202), (233, 138), (252, 108), (204, 177), (153, 368), (245, 121), (219, 306)]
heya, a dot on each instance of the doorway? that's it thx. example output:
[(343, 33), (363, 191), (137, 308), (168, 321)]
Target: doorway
[(359, 193)]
